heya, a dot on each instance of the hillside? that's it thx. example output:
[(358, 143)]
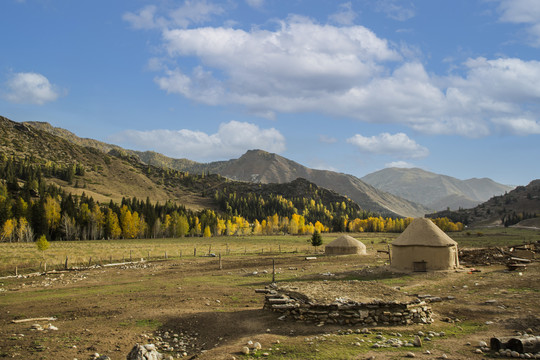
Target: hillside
[(435, 191), (121, 174), (106, 176), (509, 209), (262, 167)]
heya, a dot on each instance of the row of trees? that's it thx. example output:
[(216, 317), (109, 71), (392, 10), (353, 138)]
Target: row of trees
[(29, 206)]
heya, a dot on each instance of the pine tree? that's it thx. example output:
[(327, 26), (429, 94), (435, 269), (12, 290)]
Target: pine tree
[(316, 239)]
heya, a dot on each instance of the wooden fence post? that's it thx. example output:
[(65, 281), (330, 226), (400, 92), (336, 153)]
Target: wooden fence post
[(273, 270), (66, 264), (195, 252), (220, 264)]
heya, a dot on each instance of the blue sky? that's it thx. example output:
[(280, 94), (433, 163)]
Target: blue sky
[(450, 86)]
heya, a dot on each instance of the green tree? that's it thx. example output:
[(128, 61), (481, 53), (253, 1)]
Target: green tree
[(316, 239), (42, 243)]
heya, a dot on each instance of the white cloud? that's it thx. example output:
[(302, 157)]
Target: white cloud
[(30, 88), (397, 145), (525, 12), (144, 19), (395, 9), (345, 15), (519, 126), (257, 4), (190, 12), (343, 71), (399, 164), (232, 139)]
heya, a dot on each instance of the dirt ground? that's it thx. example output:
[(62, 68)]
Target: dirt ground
[(201, 311)]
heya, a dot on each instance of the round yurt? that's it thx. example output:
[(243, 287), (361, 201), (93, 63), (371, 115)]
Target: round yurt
[(345, 245), (424, 247)]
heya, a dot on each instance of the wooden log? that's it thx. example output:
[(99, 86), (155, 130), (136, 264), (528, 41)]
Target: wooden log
[(33, 319)]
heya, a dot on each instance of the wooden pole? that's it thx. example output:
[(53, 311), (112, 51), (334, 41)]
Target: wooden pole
[(16, 270), (195, 252), (130, 257), (90, 261), (165, 254), (273, 270), (220, 264), (66, 264), (148, 255)]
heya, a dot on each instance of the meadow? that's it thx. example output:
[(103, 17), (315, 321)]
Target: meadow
[(25, 257), (215, 311)]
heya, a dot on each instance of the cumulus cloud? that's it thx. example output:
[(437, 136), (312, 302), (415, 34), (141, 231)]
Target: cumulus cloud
[(525, 12), (232, 139), (30, 88), (519, 126), (389, 144), (341, 71), (345, 15), (399, 164)]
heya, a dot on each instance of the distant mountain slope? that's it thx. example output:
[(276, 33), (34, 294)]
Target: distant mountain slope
[(263, 167), (509, 209), (435, 191), (121, 173)]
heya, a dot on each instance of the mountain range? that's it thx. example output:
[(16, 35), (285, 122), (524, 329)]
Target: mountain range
[(435, 191), (391, 192)]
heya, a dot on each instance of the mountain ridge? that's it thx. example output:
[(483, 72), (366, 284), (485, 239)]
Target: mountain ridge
[(264, 167), (433, 190)]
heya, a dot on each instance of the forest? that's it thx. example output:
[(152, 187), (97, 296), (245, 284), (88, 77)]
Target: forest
[(30, 206)]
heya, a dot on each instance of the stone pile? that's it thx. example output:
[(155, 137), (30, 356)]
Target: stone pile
[(144, 352), (342, 311)]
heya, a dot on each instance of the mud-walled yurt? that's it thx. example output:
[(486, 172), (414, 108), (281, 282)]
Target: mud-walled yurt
[(345, 245), (423, 246)]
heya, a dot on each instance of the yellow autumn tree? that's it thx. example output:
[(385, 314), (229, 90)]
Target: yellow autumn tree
[(52, 213), (8, 230), (112, 226), (207, 233)]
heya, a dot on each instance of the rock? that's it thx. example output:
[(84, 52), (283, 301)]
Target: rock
[(257, 346), (144, 352), (51, 327), (410, 355), (482, 344), (478, 351), (36, 327), (417, 341), (245, 350)]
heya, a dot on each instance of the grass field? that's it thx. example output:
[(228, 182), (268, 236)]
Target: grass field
[(216, 311), (26, 258)]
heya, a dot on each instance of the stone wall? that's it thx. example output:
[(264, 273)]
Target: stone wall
[(296, 306)]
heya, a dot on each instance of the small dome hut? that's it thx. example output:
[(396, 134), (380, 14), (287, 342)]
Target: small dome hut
[(345, 245), (423, 247)]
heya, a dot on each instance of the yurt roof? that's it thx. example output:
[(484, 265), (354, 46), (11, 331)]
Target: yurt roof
[(346, 241), (423, 232)]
